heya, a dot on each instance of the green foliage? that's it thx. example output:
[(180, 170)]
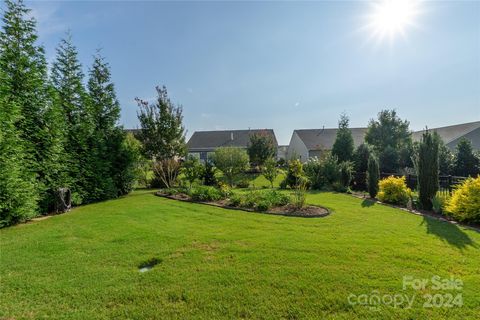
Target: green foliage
[(343, 146), (299, 196), (445, 159), (270, 170), (127, 162), (464, 204), (231, 162), (361, 157), (162, 133), (295, 174), (466, 163), (261, 147), (17, 186), (328, 174), (373, 175), (192, 169), (208, 174), (389, 136), (205, 193), (394, 190), (261, 200), (427, 169), (346, 170), (439, 201)]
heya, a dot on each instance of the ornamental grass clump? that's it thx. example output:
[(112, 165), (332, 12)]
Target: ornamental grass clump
[(394, 190), (464, 204)]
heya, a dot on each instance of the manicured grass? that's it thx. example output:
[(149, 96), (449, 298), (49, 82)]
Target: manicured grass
[(226, 264)]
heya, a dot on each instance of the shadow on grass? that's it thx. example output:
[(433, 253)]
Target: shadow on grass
[(448, 232), (367, 203)]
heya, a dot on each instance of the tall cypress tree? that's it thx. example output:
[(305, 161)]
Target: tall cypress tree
[(343, 146), (106, 141), (18, 197), (71, 99), (25, 76), (427, 169)]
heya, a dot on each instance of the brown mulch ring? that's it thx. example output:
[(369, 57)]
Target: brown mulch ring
[(288, 210)]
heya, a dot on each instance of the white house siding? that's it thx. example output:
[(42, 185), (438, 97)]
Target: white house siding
[(297, 148)]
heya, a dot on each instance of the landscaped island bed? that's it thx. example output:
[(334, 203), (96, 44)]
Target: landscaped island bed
[(214, 263), (288, 210)]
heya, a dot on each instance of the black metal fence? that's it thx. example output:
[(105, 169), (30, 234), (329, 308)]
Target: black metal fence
[(446, 183)]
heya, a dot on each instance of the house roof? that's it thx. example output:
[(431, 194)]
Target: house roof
[(450, 133), (323, 139), (208, 140)]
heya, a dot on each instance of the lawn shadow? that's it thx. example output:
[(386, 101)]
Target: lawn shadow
[(367, 203), (448, 232)]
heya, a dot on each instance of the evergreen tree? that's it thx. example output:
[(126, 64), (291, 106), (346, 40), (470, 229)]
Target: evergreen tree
[(343, 146), (361, 156), (466, 163), (373, 175), (391, 139), (105, 143), (445, 158), (18, 197), (427, 169), (25, 78), (71, 99)]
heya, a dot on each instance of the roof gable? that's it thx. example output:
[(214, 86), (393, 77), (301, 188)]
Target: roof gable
[(323, 139), (225, 138)]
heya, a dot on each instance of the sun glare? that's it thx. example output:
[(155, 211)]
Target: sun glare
[(392, 17)]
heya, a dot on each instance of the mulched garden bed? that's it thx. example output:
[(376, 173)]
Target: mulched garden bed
[(288, 210)]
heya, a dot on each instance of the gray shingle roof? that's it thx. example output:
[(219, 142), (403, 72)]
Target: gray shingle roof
[(208, 140), (450, 133), (323, 139)]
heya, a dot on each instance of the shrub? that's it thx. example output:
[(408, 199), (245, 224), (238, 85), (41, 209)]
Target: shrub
[(294, 173), (165, 173), (299, 196), (270, 171), (208, 174), (231, 161), (346, 169), (205, 193), (394, 190), (426, 163), (439, 201), (464, 205), (260, 200), (373, 174), (192, 170)]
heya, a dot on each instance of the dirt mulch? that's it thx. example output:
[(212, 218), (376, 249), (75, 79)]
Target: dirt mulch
[(287, 211)]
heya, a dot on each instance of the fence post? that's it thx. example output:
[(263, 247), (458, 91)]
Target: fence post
[(449, 184)]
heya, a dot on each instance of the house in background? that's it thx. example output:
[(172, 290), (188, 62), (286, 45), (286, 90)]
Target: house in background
[(451, 135), (309, 143), (203, 143)]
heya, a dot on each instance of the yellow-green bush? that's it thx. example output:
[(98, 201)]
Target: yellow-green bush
[(464, 205), (394, 190)]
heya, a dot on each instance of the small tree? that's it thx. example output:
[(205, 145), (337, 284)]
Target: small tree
[(361, 156), (165, 173), (270, 172), (373, 175), (346, 169), (466, 163), (162, 132), (192, 170), (343, 146), (208, 174), (427, 169), (261, 148), (231, 162)]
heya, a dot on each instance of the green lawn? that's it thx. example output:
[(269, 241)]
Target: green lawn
[(229, 264)]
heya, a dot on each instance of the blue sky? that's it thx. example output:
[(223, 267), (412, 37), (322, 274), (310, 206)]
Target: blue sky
[(280, 65)]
